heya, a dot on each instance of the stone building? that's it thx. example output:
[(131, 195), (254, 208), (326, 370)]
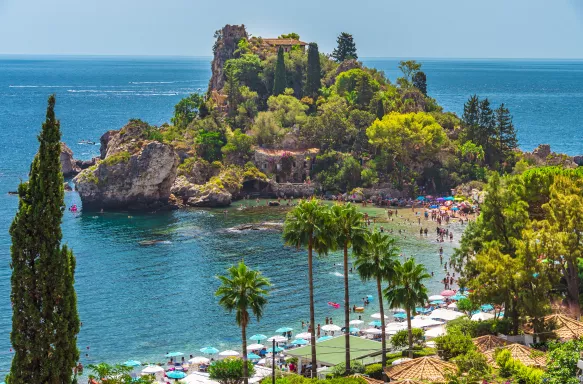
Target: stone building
[(286, 44), (288, 166)]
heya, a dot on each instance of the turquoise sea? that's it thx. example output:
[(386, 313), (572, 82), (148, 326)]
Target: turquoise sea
[(140, 302)]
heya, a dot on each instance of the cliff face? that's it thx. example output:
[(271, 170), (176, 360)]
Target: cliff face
[(135, 174), (224, 48)]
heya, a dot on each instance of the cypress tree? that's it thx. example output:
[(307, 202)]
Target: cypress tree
[(314, 75), (505, 132), (346, 48), (45, 322), (420, 82), (380, 112), (279, 81)]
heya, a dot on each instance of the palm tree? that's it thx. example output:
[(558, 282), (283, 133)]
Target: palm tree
[(407, 291), (376, 260), (349, 232), (308, 225), (243, 289)]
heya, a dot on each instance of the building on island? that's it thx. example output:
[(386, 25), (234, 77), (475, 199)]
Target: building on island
[(286, 44), (287, 165)]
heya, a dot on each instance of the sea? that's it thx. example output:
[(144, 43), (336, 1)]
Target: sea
[(140, 302)]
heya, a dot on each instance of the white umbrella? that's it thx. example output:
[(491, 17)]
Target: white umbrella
[(356, 322), (445, 314), (435, 331), (435, 297), (452, 306), (304, 335), (152, 369), (277, 338), (378, 316), (401, 360), (199, 360), (398, 310), (395, 327), (253, 347), (331, 328), (424, 321), (481, 316), (373, 331), (229, 352)]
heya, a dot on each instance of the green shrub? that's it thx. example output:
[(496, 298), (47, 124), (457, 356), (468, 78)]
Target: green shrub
[(229, 371), (297, 379), (401, 338), (120, 157), (453, 344), (339, 370), (374, 370)]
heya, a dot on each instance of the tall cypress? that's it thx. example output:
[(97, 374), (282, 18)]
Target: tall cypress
[(420, 82), (380, 111), (279, 81), (45, 322), (314, 76)]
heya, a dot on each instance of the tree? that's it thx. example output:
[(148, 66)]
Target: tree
[(347, 226), (314, 73), (45, 322), (506, 134), (238, 149), (467, 306), (291, 35), (420, 82), (380, 110), (409, 68), (279, 81), (453, 344), (231, 370), (243, 290), (308, 225), (407, 291), (401, 338), (346, 48), (562, 362), (104, 373), (357, 86), (186, 110), (376, 261), (474, 364), (209, 145)]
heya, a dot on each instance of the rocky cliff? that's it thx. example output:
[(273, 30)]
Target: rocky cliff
[(135, 173), (224, 48)]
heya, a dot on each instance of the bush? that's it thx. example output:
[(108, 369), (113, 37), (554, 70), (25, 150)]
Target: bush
[(120, 157), (474, 364), (297, 379), (374, 370), (229, 371), (508, 367), (401, 338), (453, 344), (339, 370)]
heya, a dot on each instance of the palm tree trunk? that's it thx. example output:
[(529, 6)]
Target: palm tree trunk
[(410, 332), (245, 368), (312, 317), (346, 311), (383, 336)]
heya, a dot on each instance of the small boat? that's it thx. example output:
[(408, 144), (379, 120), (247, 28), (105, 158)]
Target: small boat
[(335, 305), (359, 309), (88, 142)]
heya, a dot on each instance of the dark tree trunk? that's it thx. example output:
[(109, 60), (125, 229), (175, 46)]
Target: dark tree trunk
[(245, 368), (383, 335), (312, 317), (410, 332), (346, 311)]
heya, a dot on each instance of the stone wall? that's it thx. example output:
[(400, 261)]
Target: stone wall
[(286, 166)]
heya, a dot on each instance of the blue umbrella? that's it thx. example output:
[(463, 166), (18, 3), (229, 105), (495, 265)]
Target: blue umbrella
[(450, 198), (436, 302), (174, 354), (258, 337), (399, 315), (375, 323), (487, 307), (277, 349), (422, 310), (176, 375), (253, 356), (421, 198), (131, 363), (354, 329), (455, 209), (299, 342), (209, 350), (323, 338), (283, 329), (433, 206), (458, 297)]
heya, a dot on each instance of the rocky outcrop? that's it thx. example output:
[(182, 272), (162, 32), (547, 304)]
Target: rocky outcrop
[(104, 141), (224, 48), (266, 226), (68, 164), (134, 175), (542, 151), (292, 190), (542, 155), (84, 164), (207, 195)]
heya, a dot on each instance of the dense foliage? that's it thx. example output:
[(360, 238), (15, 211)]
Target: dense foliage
[(230, 371)]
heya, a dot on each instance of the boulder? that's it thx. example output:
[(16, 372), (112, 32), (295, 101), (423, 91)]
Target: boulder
[(542, 151), (84, 164), (139, 180), (212, 198), (104, 141), (578, 160), (68, 164)]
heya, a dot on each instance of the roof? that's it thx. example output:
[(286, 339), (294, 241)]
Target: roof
[(407, 381), (526, 355), (276, 41), (428, 368), (567, 327), (331, 352), (369, 380), (487, 342)]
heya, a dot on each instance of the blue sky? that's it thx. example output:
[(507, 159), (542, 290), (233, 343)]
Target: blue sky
[(381, 28)]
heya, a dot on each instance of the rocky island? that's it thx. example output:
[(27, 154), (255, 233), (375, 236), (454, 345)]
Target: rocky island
[(280, 118)]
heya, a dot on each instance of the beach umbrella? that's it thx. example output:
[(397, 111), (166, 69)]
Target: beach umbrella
[(401, 360), (440, 199), (174, 354), (299, 342), (331, 328), (459, 198), (452, 306), (131, 363), (487, 307), (356, 322), (283, 329), (449, 198), (445, 314), (253, 356), (394, 327), (481, 316), (324, 338), (304, 335), (199, 360), (429, 197), (277, 338), (229, 352), (397, 310), (254, 347), (433, 206), (375, 323), (354, 329), (421, 198), (152, 369), (399, 315), (435, 297), (277, 349), (437, 302), (424, 321), (378, 316), (176, 375), (258, 337), (458, 297), (209, 350), (447, 293), (455, 209), (373, 331)]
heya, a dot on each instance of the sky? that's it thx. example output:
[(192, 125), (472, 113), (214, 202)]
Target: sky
[(381, 28)]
